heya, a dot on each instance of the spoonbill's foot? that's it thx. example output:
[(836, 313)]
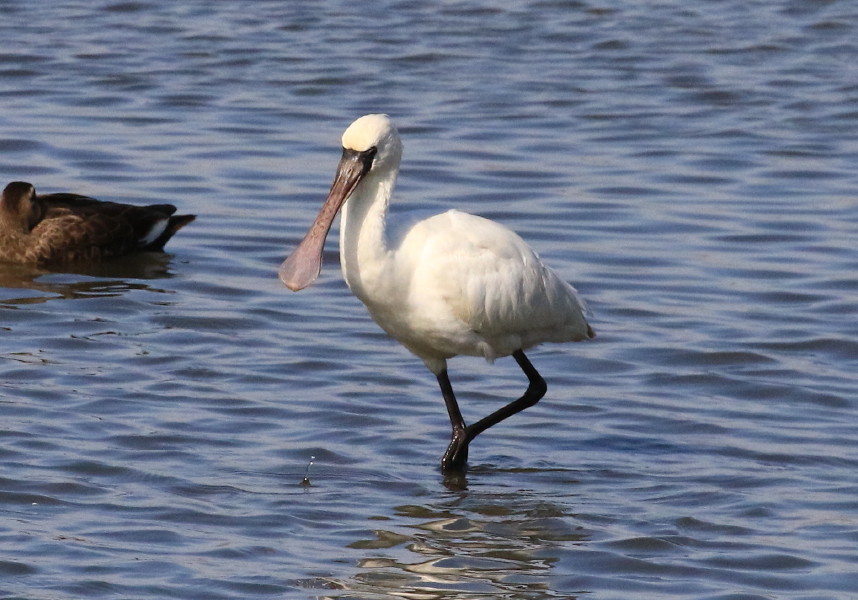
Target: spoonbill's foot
[(456, 456)]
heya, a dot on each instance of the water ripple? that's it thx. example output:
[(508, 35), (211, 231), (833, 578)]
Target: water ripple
[(690, 166)]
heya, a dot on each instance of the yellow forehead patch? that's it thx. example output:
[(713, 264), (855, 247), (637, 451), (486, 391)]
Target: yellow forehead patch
[(367, 132)]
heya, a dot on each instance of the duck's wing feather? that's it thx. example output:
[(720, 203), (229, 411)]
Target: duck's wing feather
[(71, 227)]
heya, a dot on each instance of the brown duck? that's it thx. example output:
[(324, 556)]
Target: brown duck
[(59, 228)]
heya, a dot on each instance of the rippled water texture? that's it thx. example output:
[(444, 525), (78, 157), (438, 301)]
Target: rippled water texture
[(691, 166)]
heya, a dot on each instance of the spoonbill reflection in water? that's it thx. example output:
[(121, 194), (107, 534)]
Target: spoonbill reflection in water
[(451, 284)]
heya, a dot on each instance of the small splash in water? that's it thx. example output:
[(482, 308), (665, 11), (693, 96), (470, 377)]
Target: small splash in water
[(306, 481)]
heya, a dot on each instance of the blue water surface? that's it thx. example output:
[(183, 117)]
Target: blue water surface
[(690, 166)]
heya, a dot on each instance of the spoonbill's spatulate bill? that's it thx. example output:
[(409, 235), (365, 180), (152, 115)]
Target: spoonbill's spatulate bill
[(451, 284)]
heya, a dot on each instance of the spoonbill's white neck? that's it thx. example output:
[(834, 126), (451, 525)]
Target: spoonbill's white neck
[(364, 250)]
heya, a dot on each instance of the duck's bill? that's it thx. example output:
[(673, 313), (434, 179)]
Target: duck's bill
[(302, 267)]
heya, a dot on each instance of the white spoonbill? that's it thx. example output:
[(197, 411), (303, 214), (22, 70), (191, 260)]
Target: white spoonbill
[(451, 284)]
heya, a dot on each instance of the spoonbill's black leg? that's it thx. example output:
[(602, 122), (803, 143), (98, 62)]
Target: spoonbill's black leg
[(536, 389), (456, 456), (457, 453)]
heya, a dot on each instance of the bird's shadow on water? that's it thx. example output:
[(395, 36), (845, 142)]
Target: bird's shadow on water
[(495, 537), (455, 480), (489, 531), (66, 282)]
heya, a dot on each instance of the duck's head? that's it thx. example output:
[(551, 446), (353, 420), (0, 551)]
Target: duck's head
[(16, 205)]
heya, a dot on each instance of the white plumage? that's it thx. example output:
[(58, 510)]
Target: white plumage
[(451, 284)]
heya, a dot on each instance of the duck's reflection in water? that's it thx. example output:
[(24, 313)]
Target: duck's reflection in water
[(111, 278)]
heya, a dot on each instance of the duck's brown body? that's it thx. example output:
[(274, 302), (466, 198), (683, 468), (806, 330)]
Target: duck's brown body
[(60, 228)]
